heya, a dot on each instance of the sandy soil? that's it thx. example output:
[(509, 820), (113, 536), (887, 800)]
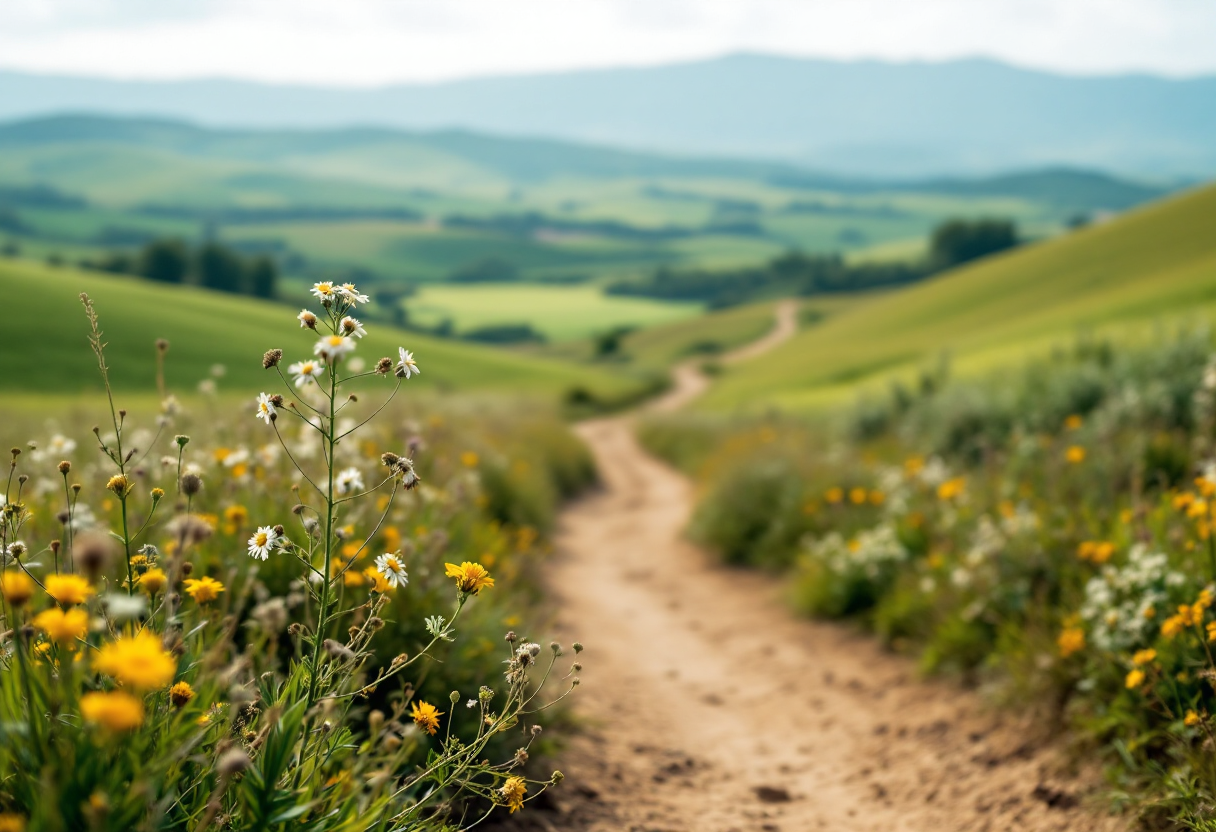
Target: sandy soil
[(710, 707)]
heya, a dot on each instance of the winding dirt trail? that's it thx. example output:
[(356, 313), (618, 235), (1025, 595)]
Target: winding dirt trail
[(710, 707)]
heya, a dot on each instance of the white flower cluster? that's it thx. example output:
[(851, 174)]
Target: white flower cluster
[(870, 552), (1123, 605)]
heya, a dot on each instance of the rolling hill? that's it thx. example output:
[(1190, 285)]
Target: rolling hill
[(1126, 276), (46, 351), (860, 117)]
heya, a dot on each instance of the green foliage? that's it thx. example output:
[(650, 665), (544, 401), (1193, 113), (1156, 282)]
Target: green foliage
[(957, 241)]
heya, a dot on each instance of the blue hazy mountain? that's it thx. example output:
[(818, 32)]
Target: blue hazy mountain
[(864, 117)]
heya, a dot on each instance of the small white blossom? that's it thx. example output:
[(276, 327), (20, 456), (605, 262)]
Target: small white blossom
[(352, 294), (307, 319), (306, 372), (333, 347), (392, 569), (265, 410), (263, 540), (352, 327), (348, 481), (326, 292), (407, 367)]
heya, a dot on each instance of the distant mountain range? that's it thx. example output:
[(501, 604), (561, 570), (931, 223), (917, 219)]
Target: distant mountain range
[(74, 144), (867, 118)]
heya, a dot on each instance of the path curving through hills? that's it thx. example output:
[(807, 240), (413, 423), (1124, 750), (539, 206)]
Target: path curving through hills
[(709, 707)]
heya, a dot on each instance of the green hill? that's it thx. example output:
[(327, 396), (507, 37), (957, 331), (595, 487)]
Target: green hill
[(1125, 276), (44, 341)]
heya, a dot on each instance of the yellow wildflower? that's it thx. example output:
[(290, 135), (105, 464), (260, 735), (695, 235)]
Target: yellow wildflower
[(913, 465), (1191, 719), (833, 495), (470, 577), (1071, 640), (1075, 454), (152, 581), (10, 822), (379, 583), (203, 590), (513, 792), (1212, 631), (139, 661), (1073, 422), (181, 694), (857, 496), (469, 459), (1134, 679), (16, 587), (1147, 656), (116, 710), (119, 485), (426, 716), (1205, 486), (951, 488), (68, 589), (63, 627)]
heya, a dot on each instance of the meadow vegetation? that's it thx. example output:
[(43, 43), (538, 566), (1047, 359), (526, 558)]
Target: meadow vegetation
[(1049, 532), (317, 611)]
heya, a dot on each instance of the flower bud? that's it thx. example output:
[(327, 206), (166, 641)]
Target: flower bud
[(271, 359)]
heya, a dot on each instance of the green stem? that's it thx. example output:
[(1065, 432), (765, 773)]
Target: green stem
[(126, 545), (322, 614)]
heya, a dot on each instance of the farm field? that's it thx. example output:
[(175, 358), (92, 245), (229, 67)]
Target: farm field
[(1132, 275)]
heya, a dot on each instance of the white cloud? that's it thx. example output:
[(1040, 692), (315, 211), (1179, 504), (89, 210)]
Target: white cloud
[(359, 42)]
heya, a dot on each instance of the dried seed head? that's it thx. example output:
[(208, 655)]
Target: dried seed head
[(55, 546), (556, 648), (510, 637), (296, 629), (297, 509), (384, 366), (63, 516), (271, 359), (93, 552), (376, 623), (338, 651), (232, 762), (64, 467), (187, 569), (521, 756), (191, 484), (578, 647), (162, 345), (536, 729)]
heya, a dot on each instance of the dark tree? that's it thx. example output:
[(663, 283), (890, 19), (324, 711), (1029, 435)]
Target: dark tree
[(263, 278), (164, 260), (220, 269), (957, 241)]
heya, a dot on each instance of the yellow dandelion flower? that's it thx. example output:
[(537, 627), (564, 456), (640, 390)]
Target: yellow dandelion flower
[(1073, 422), (1075, 454), (513, 792), (1147, 656), (119, 485), (1191, 719), (68, 589), (470, 577), (203, 590), (426, 716), (152, 581), (63, 627), (833, 495), (1134, 679), (1071, 640), (16, 587), (117, 711), (378, 581), (10, 822), (951, 488), (181, 694), (469, 459), (139, 661), (857, 496)]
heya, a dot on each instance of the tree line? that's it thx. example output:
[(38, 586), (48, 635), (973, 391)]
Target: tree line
[(211, 265), (953, 243)]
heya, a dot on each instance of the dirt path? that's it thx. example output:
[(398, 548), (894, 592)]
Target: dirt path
[(710, 707)]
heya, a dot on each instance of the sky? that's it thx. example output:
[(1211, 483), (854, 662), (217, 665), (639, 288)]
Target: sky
[(376, 42)]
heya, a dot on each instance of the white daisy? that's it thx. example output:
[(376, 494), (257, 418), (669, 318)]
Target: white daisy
[(333, 347), (352, 294), (352, 327), (348, 481), (263, 540), (392, 569), (265, 410), (60, 445), (307, 319), (306, 372), (326, 292), (407, 367)]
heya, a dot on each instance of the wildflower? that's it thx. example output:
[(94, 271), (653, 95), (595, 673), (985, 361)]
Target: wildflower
[(181, 694), (426, 716), (877, 498), (1211, 630), (139, 661), (1134, 679), (1095, 551), (16, 587), (352, 294), (513, 792), (392, 569), (203, 590), (68, 589), (271, 358), (352, 327), (833, 495), (263, 540), (406, 367), (117, 711), (379, 584), (152, 581), (63, 627), (333, 347), (1075, 454), (469, 459), (326, 292), (1147, 656), (306, 372), (1071, 640), (952, 488), (348, 481), (265, 410), (118, 484), (307, 319), (470, 577), (857, 496), (11, 822), (1187, 616), (1073, 422)]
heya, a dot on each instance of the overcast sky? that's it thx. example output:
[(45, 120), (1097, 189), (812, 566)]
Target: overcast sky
[(367, 42)]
